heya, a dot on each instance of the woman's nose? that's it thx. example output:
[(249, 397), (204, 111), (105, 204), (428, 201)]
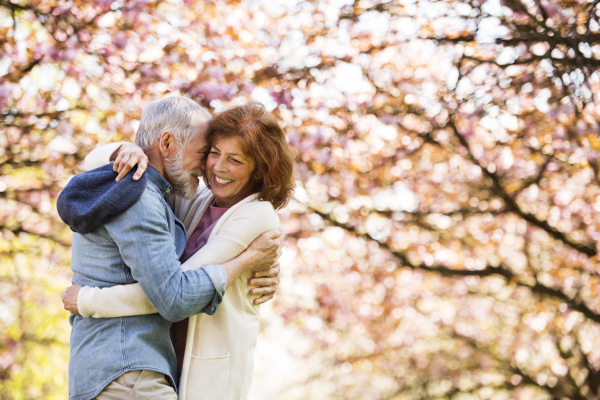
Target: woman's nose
[(220, 165)]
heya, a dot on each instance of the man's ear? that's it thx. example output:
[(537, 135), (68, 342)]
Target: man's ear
[(167, 144)]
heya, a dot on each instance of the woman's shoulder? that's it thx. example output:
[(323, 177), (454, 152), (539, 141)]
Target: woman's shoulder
[(247, 220), (259, 212), (258, 206)]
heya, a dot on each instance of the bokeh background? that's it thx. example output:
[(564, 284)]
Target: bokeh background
[(443, 240)]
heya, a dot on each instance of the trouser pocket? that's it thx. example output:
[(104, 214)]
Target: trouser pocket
[(208, 378)]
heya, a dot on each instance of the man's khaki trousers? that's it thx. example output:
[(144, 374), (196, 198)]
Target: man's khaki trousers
[(139, 385)]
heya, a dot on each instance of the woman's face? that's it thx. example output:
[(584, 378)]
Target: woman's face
[(229, 172)]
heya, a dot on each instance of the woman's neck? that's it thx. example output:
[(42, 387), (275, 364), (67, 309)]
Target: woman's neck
[(227, 203), (224, 203)]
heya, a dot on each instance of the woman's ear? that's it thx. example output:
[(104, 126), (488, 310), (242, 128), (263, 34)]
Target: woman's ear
[(167, 144)]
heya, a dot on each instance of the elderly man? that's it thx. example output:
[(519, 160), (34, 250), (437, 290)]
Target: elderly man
[(126, 232)]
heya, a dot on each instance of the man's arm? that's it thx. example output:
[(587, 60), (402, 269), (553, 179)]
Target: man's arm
[(146, 246)]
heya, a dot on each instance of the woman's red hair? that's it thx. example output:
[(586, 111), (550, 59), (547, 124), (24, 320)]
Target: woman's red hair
[(263, 140)]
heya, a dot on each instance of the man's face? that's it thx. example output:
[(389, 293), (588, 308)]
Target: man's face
[(183, 168)]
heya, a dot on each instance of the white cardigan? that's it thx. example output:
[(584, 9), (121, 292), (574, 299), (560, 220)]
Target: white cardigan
[(219, 353)]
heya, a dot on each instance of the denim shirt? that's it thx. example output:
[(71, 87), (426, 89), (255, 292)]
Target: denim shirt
[(143, 244)]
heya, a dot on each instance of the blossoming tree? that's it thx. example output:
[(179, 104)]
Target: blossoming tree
[(443, 240)]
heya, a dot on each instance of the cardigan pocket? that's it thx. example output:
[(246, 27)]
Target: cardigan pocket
[(208, 379)]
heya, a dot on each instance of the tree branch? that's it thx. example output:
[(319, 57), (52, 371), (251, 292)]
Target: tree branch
[(511, 204), (531, 283)]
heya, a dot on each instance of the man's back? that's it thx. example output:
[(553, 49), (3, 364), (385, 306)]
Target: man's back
[(103, 349), (142, 244)]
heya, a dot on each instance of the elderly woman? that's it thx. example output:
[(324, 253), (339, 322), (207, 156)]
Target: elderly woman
[(248, 175)]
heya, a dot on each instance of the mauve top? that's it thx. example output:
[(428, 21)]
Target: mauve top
[(194, 243)]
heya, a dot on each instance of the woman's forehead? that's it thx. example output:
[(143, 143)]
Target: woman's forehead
[(230, 144)]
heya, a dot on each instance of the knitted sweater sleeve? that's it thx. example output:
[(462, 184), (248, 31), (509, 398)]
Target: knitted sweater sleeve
[(100, 156)]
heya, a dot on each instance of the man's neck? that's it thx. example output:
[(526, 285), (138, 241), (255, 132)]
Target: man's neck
[(156, 162)]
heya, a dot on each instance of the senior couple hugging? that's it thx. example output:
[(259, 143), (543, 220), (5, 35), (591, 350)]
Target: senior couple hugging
[(168, 275)]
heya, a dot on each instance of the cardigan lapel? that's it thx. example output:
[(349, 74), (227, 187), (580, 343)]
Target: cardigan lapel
[(191, 211), (229, 212), (203, 205)]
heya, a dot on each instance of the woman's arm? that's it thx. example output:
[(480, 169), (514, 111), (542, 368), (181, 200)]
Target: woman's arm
[(102, 155), (115, 301), (236, 234), (124, 155), (233, 238)]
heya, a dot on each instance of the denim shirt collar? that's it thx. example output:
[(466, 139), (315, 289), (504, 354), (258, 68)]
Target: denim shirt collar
[(160, 182)]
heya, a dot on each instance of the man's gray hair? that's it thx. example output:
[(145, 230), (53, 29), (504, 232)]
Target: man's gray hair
[(179, 115)]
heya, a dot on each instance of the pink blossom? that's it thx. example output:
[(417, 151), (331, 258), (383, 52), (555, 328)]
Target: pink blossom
[(120, 40), (212, 91), (216, 71)]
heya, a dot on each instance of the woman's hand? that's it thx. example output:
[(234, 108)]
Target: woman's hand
[(69, 298), (267, 283), (128, 156)]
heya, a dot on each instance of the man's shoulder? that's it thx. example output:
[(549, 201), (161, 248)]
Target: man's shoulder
[(92, 198), (150, 200)]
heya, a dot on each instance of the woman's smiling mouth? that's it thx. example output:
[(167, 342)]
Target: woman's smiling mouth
[(222, 181)]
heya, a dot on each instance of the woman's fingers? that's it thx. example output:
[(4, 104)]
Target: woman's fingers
[(142, 165), (126, 166), (125, 163), (129, 156), (117, 162)]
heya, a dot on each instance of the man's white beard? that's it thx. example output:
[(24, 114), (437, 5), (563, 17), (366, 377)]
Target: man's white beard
[(181, 180)]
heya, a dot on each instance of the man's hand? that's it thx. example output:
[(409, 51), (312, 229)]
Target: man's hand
[(261, 255), (128, 156), (267, 283), (265, 250), (69, 298)]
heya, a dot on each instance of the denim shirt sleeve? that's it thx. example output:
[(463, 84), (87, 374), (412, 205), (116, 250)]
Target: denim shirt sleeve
[(218, 277), (147, 248)]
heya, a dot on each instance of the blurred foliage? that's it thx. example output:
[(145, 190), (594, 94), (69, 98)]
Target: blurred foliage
[(443, 240)]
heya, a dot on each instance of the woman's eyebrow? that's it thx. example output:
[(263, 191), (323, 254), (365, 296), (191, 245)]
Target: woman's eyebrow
[(231, 154)]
